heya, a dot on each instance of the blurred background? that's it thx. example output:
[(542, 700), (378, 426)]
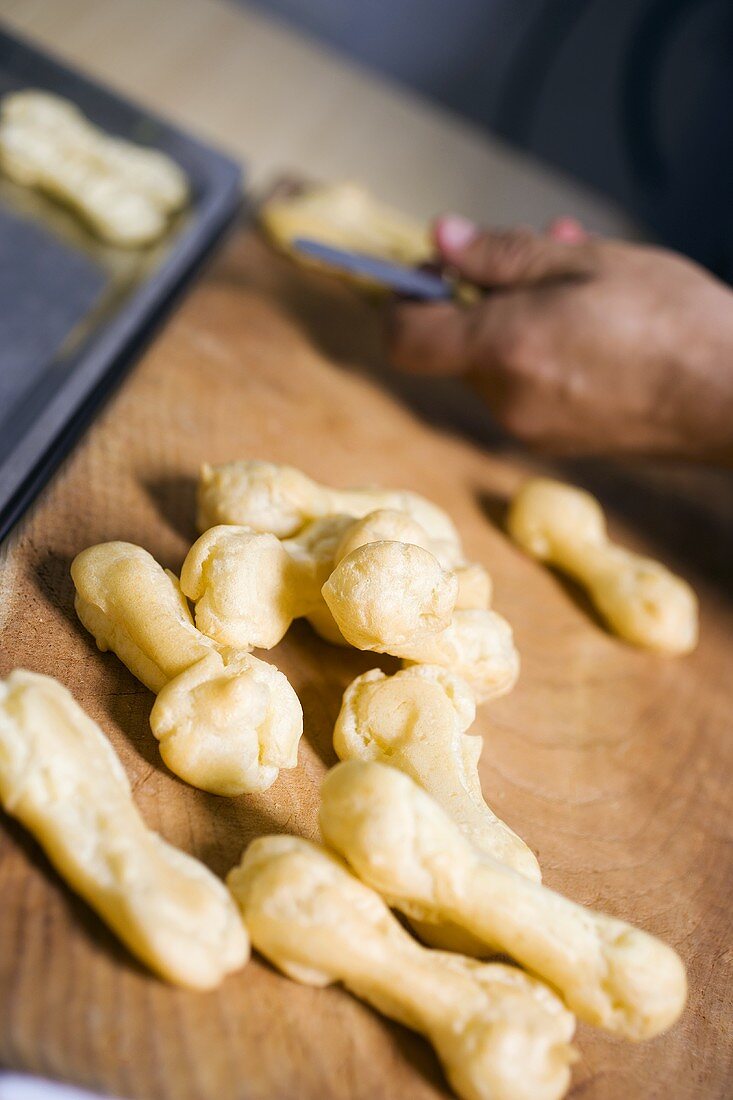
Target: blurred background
[(632, 97)]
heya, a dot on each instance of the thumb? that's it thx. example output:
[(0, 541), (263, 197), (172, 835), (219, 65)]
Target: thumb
[(512, 257)]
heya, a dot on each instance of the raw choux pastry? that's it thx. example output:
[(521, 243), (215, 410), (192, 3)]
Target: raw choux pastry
[(136, 608), (62, 779), (384, 525), (228, 724), (385, 596), (401, 843), (499, 1034), (248, 586), (475, 587), (125, 192), (226, 721), (347, 216), (640, 599), (476, 645), (390, 597), (313, 550), (281, 500), (389, 525), (245, 587), (416, 720)]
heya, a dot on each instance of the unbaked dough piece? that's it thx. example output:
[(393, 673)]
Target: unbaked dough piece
[(248, 586), (499, 1034), (281, 500), (640, 599), (417, 721), (401, 843), (228, 724), (476, 645), (390, 525), (226, 721), (125, 192), (61, 778), (346, 216), (136, 608), (388, 596), (391, 597), (312, 551), (245, 587)]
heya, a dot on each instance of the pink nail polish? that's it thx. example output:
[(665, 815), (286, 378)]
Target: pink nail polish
[(567, 230), (454, 232)]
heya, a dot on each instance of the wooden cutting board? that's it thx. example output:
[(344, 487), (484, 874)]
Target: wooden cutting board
[(614, 764)]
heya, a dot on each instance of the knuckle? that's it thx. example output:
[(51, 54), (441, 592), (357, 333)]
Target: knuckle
[(510, 252)]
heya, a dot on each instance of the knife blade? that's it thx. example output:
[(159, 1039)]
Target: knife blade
[(403, 280)]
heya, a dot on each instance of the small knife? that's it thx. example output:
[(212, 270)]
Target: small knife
[(403, 280)]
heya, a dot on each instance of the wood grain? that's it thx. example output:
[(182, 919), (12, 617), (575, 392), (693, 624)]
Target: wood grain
[(613, 764)]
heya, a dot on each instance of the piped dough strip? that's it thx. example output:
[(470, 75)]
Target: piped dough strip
[(125, 192), (416, 720), (396, 598), (401, 843), (61, 778), (499, 1034), (280, 499), (641, 600), (226, 721), (249, 586)]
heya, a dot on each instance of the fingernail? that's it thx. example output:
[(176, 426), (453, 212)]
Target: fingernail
[(454, 232), (567, 230)]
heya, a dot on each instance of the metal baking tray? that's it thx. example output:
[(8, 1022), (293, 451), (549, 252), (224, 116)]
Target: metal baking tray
[(75, 312)]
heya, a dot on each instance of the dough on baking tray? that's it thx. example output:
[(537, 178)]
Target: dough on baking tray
[(125, 192)]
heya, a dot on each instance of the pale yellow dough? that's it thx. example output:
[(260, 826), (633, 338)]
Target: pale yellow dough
[(500, 1035), (61, 778), (313, 551), (401, 843), (245, 587), (390, 525), (639, 598), (125, 192), (478, 646), (416, 720), (393, 580), (394, 598), (248, 586), (281, 500), (346, 216), (386, 596), (226, 721)]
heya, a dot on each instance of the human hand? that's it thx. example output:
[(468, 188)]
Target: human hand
[(581, 345)]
